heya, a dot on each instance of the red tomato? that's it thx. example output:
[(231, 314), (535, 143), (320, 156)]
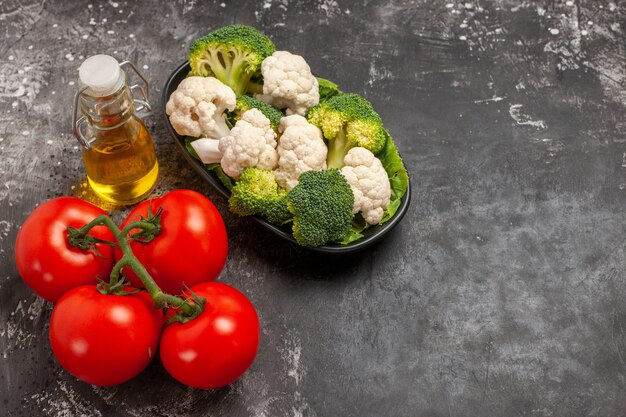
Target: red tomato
[(192, 246), (44, 258), (218, 346), (104, 339)]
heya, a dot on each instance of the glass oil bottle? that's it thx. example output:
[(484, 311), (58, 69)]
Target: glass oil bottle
[(118, 150)]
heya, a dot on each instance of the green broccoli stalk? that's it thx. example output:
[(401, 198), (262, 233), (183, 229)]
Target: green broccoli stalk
[(348, 120), (321, 205), (245, 103), (233, 54), (257, 192)]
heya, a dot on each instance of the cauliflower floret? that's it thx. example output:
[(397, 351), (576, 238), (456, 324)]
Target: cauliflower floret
[(288, 83), (251, 143), (208, 150), (301, 148), (198, 107), (369, 182)]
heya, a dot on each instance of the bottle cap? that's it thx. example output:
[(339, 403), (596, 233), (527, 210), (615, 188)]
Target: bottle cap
[(101, 74)]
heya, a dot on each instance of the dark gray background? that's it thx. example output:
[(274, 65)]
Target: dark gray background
[(502, 291)]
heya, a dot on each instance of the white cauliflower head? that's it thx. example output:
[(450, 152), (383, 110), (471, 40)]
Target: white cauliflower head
[(369, 182), (301, 148), (251, 143), (198, 107), (288, 83)]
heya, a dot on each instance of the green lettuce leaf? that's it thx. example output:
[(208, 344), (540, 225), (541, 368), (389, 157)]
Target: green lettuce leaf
[(216, 168), (221, 175), (398, 176), (327, 88), (353, 236), (190, 149)]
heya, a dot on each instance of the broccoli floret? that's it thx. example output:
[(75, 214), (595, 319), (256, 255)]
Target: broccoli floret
[(348, 120), (257, 192), (278, 212), (245, 103), (327, 88), (321, 205), (232, 54)]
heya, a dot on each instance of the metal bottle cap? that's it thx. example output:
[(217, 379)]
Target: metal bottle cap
[(101, 74)]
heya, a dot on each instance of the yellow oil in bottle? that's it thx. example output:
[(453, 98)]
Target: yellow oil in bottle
[(121, 164), (118, 150)]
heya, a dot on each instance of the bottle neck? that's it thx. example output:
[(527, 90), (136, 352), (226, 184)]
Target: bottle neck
[(110, 111)]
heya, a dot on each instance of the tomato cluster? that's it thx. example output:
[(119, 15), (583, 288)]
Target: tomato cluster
[(105, 336)]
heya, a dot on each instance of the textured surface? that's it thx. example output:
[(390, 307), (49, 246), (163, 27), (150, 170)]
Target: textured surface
[(503, 290)]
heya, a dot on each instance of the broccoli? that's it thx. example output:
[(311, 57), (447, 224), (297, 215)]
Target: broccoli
[(257, 192), (233, 54), (321, 205), (278, 212), (348, 120), (245, 103)]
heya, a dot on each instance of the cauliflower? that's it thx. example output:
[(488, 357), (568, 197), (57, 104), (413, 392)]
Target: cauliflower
[(288, 83), (301, 148), (369, 182), (198, 107), (251, 143), (208, 150)]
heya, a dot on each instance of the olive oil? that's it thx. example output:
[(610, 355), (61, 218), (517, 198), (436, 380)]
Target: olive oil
[(118, 150), (121, 164)]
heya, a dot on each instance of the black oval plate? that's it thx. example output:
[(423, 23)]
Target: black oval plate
[(371, 235)]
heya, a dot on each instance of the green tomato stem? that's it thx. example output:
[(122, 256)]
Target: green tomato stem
[(114, 277), (160, 299)]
